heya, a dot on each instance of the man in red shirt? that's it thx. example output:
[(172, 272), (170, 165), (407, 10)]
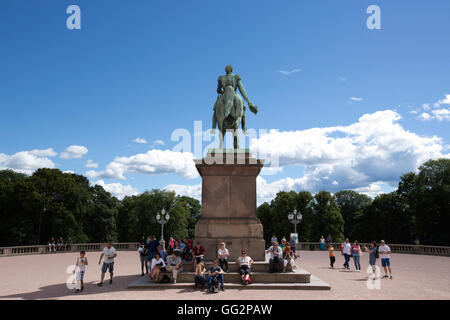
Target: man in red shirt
[(198, 253)]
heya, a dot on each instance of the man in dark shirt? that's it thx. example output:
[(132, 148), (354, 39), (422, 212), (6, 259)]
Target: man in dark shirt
[(215, 272), (198, 253), (152, 248)]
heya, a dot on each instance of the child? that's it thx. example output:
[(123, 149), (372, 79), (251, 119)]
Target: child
[(80, 268), (223, 257), (331, 254)]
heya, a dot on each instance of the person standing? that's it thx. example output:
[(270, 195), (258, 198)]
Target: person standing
[(329, 239), (292, 243), (356, 252), (385, 255), (223, 255), (331, 255), (109, 253), (322, 243), (372, 255), (143, 256), (80, 268), (346, 251), (273, 239), (152, 248)]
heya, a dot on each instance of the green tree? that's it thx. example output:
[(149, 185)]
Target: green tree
[(327, 217), (351, 204)]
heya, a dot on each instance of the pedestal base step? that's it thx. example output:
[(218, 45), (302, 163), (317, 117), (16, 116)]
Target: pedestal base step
[(257, 266), (314, 284)]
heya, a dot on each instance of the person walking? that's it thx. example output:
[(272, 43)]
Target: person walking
[(80, 269), (331, 255), (356, 253), (109, 253), (385, 255), (346, 251)]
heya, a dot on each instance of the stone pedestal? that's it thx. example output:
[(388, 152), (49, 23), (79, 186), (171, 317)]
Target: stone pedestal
[(229, 204)]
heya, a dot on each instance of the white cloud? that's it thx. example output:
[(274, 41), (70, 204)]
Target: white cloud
[(439, 113), (27, 161), (194, 191), (424, 116), (117, 189), (446, 100), (376, 148), (442, 114), (74, 152), (140, 140), (158, 142), (356, 99), (343, 79), (152, 162), (91, 164), (288, 72), (69, 171), (44, 153)]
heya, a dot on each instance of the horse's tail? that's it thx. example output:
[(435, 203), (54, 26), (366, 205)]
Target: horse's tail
[(228, 97)]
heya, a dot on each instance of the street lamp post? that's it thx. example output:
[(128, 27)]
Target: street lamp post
[(162, 218), (295, 218)]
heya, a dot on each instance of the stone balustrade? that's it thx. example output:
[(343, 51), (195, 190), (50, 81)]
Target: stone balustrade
[(133, 246)]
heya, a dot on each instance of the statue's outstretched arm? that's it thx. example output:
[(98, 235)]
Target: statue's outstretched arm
[(252, 107), (242, 91)]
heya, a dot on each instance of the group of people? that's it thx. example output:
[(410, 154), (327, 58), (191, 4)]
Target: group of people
[(355, 251), (211, 276), (156, 261), (108, 255), (59, 245)]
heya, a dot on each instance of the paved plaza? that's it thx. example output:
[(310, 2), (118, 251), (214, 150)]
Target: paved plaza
[(44, 277)]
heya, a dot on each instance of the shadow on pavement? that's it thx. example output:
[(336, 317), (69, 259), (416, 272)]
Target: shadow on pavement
[(60, 290)]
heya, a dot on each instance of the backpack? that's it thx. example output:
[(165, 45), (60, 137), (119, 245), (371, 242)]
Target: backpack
[(214, 285), (377, 255), (165, 279)]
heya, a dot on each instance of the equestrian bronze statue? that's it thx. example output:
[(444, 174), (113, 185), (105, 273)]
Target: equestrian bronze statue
[(229, 109)]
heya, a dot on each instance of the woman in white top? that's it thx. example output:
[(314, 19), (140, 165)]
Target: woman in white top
[(223, 255), (245, 263), (157, 263)]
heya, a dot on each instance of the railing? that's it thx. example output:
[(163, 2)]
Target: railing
[(395, 248), (133, 246), (46, 249)]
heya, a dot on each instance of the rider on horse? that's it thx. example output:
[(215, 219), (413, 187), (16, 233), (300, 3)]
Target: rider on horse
[(234, 80)]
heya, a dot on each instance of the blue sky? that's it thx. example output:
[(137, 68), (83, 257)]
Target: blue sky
[(141, 69)]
